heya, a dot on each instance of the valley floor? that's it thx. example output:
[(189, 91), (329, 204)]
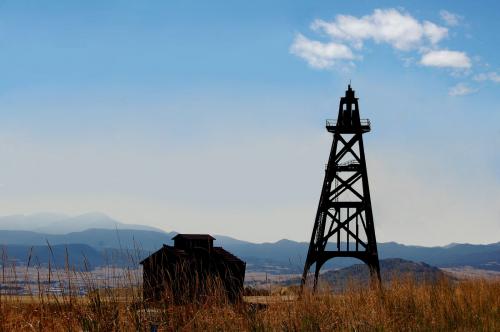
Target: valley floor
[(468, 272)]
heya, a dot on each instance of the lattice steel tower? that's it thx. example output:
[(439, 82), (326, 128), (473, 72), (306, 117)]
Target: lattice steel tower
[(344, 218)]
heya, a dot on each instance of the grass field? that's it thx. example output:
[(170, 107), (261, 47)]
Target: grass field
[(468, 305)]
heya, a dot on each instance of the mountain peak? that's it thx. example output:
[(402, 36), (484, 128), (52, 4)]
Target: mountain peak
[(285, 241), (94, 216)]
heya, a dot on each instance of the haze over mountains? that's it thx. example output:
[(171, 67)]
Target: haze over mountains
[(54, 223), (98, 237)]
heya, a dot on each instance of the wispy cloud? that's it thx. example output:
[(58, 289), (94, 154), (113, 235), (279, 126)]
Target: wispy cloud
[(491, 76), (320, 55), (449, 18), (461, 89), (447, 59)]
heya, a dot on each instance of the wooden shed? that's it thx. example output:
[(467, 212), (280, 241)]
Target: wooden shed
[(185, 270)]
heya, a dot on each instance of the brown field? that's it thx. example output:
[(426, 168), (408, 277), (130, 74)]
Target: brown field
[(466, 305)]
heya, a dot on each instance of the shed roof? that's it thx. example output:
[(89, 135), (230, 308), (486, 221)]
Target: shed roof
[(194, 237), (217, 251), (226, 255)]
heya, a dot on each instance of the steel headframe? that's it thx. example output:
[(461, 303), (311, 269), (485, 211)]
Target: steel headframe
[(344, 218)]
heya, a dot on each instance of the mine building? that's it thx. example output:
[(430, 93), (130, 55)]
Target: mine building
[(183, 272)]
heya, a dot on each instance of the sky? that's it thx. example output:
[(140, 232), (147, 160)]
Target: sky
[(208, 117)]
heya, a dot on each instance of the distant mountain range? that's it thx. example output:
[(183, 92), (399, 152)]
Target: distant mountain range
[(291, 255), (120, 242)]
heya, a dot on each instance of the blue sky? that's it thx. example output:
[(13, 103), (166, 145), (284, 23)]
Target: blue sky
[(209, 117)]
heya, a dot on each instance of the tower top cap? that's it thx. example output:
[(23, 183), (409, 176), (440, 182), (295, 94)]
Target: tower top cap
[(349, 92)]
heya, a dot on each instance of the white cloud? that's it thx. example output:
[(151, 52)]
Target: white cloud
[(434, 32), (491, 76), (450, 19), (320, 55), (461, 89), (397, 28), (446, 58)]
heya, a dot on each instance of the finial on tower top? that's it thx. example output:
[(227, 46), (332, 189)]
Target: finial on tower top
[(350, 92)]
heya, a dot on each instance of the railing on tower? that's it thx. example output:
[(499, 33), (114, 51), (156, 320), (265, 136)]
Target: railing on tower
[(332, 125)]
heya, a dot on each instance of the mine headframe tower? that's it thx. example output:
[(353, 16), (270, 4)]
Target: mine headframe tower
[(344, 220)]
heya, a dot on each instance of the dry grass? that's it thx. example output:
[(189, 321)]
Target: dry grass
[(402, 306), (114, 303)]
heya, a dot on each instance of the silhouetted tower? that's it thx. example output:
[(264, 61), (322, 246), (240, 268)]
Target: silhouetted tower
[(344, 219)]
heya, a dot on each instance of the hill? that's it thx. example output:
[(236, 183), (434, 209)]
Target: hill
[(391, 268), (79, 256), (96, 238)]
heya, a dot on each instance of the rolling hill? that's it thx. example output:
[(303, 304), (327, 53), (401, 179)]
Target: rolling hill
[(80, 256), (390, 269)]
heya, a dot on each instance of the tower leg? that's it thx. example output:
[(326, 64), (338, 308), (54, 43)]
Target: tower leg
[(304, 276), (316, 276), (375, 272)]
